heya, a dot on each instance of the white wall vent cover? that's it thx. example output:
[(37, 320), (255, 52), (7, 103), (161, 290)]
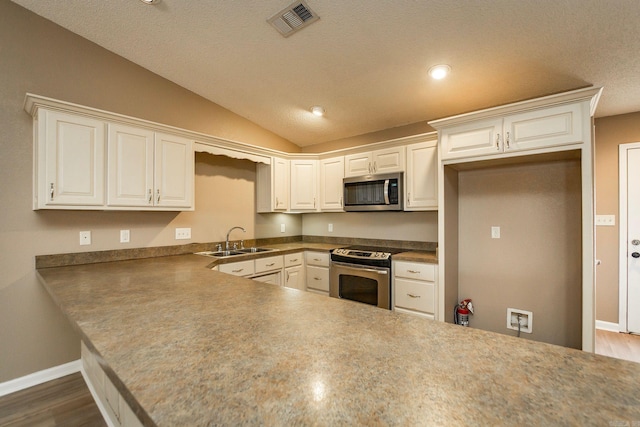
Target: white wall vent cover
[(293, 18)]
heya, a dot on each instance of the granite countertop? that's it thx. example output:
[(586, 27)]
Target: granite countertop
[(186, 345)]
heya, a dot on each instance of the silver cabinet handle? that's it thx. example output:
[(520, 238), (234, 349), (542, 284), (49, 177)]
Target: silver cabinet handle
[(270, 265), (314, 202), (150, 196), (375, 167), (413, 296), (506, 141), (409, 199), (341, 202), (51, 192), (237, 271), (413, 271), (498, 142), (158, 194), (317, 278), (294, 260)]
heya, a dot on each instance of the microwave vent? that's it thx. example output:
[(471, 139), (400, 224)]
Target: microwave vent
[(293, 18)]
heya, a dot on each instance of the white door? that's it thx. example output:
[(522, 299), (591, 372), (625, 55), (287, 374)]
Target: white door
[(174, 171), (130, 163), (630, 237), (331, 175)]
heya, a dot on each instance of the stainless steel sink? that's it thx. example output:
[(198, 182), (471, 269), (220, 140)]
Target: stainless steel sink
[(254, 250), (221, 254)]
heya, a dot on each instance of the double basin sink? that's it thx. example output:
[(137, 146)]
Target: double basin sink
[(234, 252)]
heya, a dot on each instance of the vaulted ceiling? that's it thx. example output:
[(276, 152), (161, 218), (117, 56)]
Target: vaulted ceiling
[(366, 62)]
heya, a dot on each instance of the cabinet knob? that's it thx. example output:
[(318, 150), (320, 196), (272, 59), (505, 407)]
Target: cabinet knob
[(51, 192), (506, 140), (150, 196), (498, 142), (635, 254), (158, 194)]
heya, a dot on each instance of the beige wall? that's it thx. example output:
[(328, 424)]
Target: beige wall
[(408, 226), (536, 264), (610, 133), (39, 57)]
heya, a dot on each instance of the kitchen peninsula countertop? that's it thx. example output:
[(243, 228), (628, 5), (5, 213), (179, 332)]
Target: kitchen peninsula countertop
[(189, 346)]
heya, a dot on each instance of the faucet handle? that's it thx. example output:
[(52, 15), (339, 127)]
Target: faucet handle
[(219, 247), (241, 244), (235, 246)]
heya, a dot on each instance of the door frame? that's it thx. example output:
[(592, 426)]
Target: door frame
[(623, 284)]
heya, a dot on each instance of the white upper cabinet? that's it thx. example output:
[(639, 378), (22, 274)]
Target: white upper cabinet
[(70, 161), (379, 161), (531, 130), (272, 186), (331, 187), (130, 160), (149, 169), (304, 185), (174, 171), (422, 176), (86, 162)]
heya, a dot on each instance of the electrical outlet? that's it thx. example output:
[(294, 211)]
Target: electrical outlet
[(183, 233), (282, 228), (526, 320), (85, 238), (124, 236), (330, 228), (495, 232), (606, 220)]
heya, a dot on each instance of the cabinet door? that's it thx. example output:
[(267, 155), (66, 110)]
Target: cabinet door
[(358, 164), (543, 128), (174, 171), (303, 185), (280, 184), (294, 277), (318, 279), (479, 138), (422, 177), (388, 160), (72, 149), (331, 187), (130, 165)]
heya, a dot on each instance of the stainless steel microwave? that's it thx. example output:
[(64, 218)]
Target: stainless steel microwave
[(383, 192)]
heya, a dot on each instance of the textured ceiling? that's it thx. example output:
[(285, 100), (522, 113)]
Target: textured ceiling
[(366, 62)]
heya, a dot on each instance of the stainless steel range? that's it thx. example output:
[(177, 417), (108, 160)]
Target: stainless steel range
[(362, 274)]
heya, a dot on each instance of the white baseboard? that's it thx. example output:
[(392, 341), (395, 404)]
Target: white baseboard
[(40, 377), (607, 326)]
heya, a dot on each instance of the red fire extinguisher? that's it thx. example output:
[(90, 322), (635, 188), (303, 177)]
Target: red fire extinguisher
[(462, 311)]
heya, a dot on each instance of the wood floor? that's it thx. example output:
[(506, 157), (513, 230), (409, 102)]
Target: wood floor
[(65, 402), (620, 346)]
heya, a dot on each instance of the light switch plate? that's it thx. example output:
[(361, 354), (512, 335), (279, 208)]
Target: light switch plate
[(183, 233), (495, 232), (282, 228), (606, 220)]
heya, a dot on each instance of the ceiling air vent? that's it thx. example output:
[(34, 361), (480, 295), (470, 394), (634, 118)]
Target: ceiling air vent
[(293, 18)]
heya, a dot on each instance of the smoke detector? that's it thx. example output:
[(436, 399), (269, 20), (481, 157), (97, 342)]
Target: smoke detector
[(293, 18)]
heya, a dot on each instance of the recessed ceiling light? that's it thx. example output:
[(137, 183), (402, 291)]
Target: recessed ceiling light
[(317, 110), (439, 72), (150, 1)]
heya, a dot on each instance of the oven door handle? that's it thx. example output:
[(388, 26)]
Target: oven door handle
[(351, 267)]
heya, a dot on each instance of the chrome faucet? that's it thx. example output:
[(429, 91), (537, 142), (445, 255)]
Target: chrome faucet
[(226, 245)]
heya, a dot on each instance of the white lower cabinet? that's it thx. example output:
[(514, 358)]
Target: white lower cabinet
[(317, 269), (414, 288), (266, 270), (110, 402), (294, 271)]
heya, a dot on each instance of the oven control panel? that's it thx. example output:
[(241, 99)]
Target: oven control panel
[(355, 253)]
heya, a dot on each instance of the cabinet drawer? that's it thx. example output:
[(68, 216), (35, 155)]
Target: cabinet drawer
[(291, 260), (415, 270), (268, 264), (414, 295), (318, 278), (317, 258), (242, 268)]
